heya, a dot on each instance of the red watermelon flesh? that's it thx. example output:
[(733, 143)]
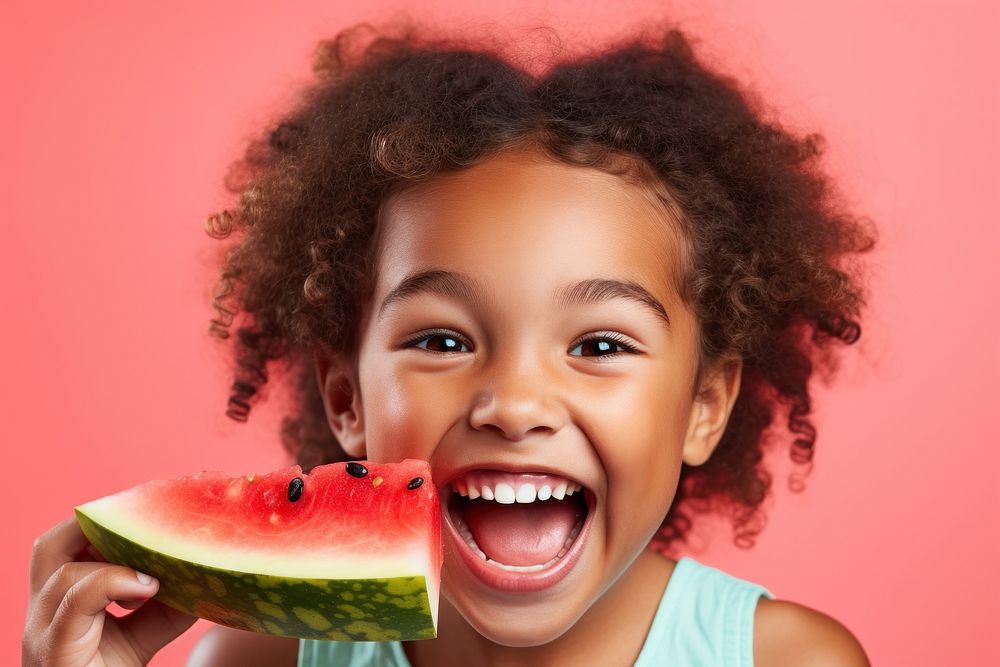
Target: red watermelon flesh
[(348, 551)]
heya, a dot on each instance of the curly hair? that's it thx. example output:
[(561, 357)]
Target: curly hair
[(770, 267)]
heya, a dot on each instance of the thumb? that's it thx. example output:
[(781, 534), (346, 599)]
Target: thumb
[(155, 625)]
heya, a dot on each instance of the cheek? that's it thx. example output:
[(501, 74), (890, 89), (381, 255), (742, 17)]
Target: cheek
[(404, 418), (640, 420), (640, 441)]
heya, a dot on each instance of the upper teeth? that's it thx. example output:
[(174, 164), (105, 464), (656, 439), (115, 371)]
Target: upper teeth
[(508, 488)]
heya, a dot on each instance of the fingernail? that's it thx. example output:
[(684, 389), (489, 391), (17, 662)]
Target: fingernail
[(143, 578)]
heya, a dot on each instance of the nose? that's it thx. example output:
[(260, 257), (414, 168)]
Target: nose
[(516, 403)]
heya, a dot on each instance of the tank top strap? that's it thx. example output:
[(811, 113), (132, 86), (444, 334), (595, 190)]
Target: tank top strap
[(320, 653), (705, 617)]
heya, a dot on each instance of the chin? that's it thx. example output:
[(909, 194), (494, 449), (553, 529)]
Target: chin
[(518, 626)]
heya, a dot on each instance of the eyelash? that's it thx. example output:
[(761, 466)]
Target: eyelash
[(616, 338), (613, 337), (426, 335)]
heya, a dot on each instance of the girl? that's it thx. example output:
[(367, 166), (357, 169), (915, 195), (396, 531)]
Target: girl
[(587, 290)]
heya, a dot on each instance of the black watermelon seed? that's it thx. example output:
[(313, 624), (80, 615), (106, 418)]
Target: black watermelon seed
[(355, 469), (415, 483), (295, 489)]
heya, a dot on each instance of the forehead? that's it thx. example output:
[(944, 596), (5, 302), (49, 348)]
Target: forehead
[(524, 213)]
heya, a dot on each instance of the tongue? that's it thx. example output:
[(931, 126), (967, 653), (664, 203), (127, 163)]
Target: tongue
[(521, 533)]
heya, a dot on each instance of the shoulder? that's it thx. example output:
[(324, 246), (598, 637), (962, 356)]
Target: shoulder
[(228, 647), (787, 633)]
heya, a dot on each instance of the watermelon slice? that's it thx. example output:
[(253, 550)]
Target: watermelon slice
[(350, 551)]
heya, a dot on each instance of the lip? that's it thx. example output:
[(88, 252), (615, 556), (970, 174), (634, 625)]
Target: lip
[(521, 582)]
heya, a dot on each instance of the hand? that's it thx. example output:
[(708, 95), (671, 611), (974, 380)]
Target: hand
[(67, 623)]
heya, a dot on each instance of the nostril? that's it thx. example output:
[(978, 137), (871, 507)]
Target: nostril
[(515, 434), (515, 418)]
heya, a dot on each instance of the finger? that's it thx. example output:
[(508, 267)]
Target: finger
[(131, 604), (43, 606), (91, 595), (65, 578), (154, 626), (56, 546), (91, 553)]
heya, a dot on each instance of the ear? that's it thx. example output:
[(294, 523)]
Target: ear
[(711, 409), (342, 402)]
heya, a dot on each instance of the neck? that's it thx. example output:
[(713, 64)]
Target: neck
[(611, 632)]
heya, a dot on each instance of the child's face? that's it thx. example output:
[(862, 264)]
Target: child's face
[(499, 364)]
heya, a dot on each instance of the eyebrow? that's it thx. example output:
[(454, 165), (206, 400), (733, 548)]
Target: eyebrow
[(442, 283), (459, 286), (597, 290)]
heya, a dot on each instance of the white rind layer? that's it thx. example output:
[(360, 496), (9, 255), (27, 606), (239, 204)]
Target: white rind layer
[(342, 562)]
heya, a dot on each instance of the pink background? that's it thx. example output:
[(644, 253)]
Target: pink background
[(119, 120)]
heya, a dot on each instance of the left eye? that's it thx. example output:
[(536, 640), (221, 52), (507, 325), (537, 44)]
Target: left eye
[(600, 346), (439, 342)]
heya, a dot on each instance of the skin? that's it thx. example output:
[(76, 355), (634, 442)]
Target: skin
[(67, 624), (521, 390)]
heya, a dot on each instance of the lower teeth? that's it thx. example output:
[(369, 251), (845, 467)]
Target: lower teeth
[(463, 530)]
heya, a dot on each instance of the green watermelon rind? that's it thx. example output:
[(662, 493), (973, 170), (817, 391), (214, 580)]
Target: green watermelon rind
[(370, 609)]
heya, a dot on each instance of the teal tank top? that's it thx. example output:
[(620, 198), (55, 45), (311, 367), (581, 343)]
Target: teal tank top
[(705, 618)]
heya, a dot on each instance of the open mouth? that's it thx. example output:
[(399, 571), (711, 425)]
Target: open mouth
[(518, 524)]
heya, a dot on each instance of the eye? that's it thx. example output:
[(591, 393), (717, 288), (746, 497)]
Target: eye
[(439, 341), (602, 345)]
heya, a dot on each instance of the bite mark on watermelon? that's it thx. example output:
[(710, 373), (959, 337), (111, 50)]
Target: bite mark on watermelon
[(347, 559)]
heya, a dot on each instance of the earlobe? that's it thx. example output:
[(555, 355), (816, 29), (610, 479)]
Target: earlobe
[(342, 402), (711, 409)]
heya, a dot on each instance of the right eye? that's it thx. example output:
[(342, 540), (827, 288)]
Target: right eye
[(439, 341)]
